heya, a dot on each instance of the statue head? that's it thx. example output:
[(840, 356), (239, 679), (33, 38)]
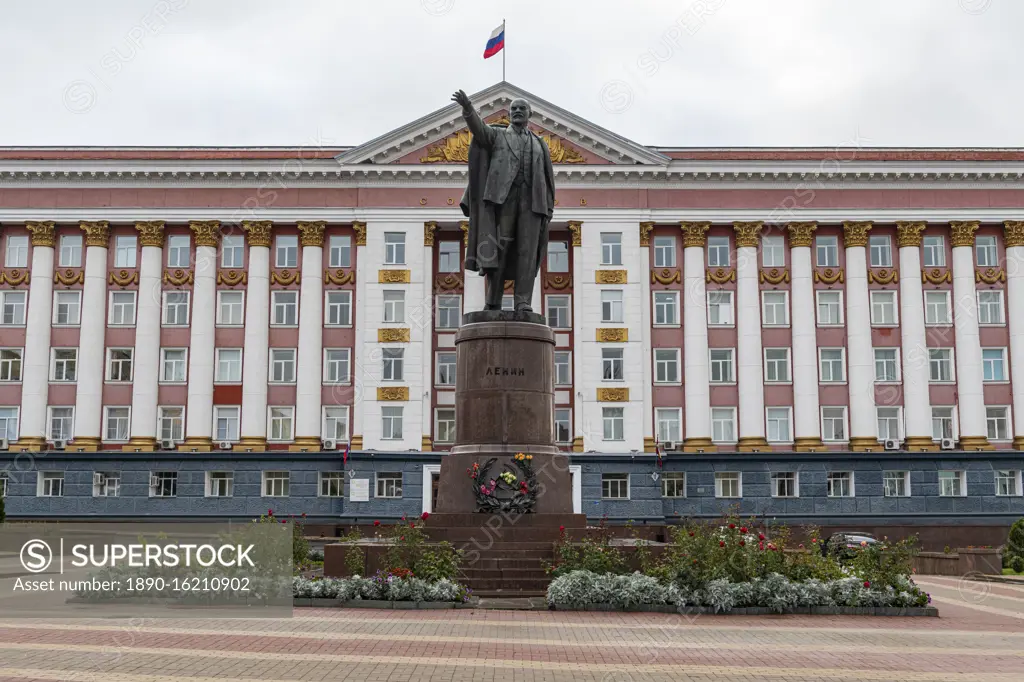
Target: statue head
[(519, 112)]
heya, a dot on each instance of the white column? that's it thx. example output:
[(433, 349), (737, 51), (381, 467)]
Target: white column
[(969, 378), (309, 377), (427, 320), (256, 349), (92, 337), (364, 270), (916, 395), (806, 412), (579, 441), (146, 384), (696, 387), (859, 350), (199, 408), (749, 349), (1014, 306), (647, 343), (36, 367)]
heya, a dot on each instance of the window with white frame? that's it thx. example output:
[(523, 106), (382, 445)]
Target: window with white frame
[(840, 483), (942, 423), (723, 424), (106, 484), (880, 247), (558, 311), (444, 425), (340, 246), (665, 251), (830, 308), (612, 364), (394, 248), (449, 312), (997, 421), (67, 307), (10, 364), (776, 365), (171, 423), (282, 365), (673, 484), (718, 252), (339, 308), (889, 427), (391, 423), (448, 257), (883, 308), (230, 308), (613, 422), (229, 365), (1007, 482), (666, 307), (774, 308), (394, 306), (51, 484), (940, 365), (728, 484), (332, 484), (276, 483), (833, 424), (993, 363), (985, 248), (13, 307), (826, 250), (669, 420), (558, 257), (445, 375), (896, 483), (666, 366), (220, 484), (394, 364), (887, 365), (65, 364), (936, 308), (934, 251), (286, 251), (125, 248), (336, 365), (722, 365), (177, 251), (773, 252), (163, 484), (175, 308), (62, 423), (990, 307), (116, 423), (282, 423), (16, 253), (563, 425), (389, 484), (336, 423), (785, 484), (8, 425), (232, 251), (720, 310), (611, 248), (611, 305), (614, 486), (119, 364), (778, 425), (831, 365), (4, 484), (508, 302), (285, 305), (952, 483), (563, 368), (122, 309), (226, 422), (70, 251)]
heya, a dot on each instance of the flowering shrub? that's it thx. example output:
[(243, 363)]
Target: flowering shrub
[(409, 549), (595, 553), (382, 586)]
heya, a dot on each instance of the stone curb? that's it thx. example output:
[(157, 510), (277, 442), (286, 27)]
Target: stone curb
[(929, 611), (376, 604)]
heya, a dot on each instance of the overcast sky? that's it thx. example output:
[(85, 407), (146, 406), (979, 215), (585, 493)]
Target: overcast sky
[(684, 73)]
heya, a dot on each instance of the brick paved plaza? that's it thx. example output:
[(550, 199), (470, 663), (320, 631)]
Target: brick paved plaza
[(978, 637)]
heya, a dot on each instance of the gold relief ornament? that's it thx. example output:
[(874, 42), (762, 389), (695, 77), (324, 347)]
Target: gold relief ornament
[(576, 228), (15, 277), (258, 232), (962, 232), (774, 276), (610, 277), (748, 233), (285, 277), (392, 393), (829, 275), (393, 335), (178, 277), (97, 233), (645, 233), (123, 278), (612, 335), (151, 233), (559, 281), (359, 227), (855, 233), (666, 276), (883, 276), (42, 232), (908, 232), (206, 231), (312, 232), (720, 276), (613, 395), (464, 226), (429, 228), (339, 276), (455, 148), (69, 277), (936, 276), (801, 234), (694, 234), (232, 278), (1013, 231), (990, 275), (448, 282), (393, 276)]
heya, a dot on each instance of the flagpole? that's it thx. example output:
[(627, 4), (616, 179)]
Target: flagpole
[(503, 50)]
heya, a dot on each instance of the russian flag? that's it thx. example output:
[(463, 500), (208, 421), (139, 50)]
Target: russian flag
[(496, 42)]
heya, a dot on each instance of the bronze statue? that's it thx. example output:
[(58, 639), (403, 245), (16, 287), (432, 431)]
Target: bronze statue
[(509, 202)]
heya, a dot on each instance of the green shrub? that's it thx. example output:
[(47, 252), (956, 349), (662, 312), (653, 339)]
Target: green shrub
[(594, 553), (1015, 541), (409, 548), (884, 563), (355, 556), (3, 515), (1017, 564)]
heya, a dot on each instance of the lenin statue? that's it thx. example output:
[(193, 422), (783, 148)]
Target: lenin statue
[(509, 202)]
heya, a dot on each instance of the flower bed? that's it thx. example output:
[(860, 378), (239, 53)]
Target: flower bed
[(394, 586)]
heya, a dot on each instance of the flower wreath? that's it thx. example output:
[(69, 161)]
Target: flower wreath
[(523, 487)]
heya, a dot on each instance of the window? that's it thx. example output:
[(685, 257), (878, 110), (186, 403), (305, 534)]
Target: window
[(282, 365), (614, 486), (611, 248), (985, 248), (896, 483), (67, 307), (990, 307), (276, 483), (936, 307), (665, 252), (720, 308), (722, 365), (16, 254), (778, 425), (883, 308), (220, 484), (833, 424), (830, 308), (993, 362), (232, 250), (286, 251), (669, 422), (612, 421), (125, 247), (282, 421), (826, 250), (175, 308), (51, 484), (952, 484), (332, 484), (881, 251), (666, 365), (394, 248), (888, 423), (8, 425), (340, 255), (563, 425), (336, 365), (942, 423), (229, 365), (449, 312), (172, 364), (444, 426), (832, 367), (286, 308), (445, 369), (391, 418), (611, 306), (563, 368), (225, 421), (116, 424), (611, 364), (394, 306), (448, 257), (776, 365), (394, 360), (177, 251), (940, 364), (773, 252), (65, 364), (10, 364), (508, 302), (13, 307), (558, 257), (1007, 483), (171, 423), (785, 484), (230, 308), (336, 423), (673, 484), (997, 421), (934, 251), (666, 307), (718, 252), (840, 484), (122, 308), (728, 484), (106, 484), (339, 308), (163, 484), (389, 484), (3, 484), (886, 365), (71, 251), (119, 364), (558, 312), (723, 424)]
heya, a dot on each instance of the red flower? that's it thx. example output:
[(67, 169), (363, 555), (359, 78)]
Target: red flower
[(412, 525), (694, 561), (425, 515), (303, 514), (721, 543), (867, 584), (760, 536), (270, 512), (760, 545), (742, 543), (814, 540), (691, 534), (401, 538), (403, 517), (376, 523), (561, 529), (743, 529), (732, 526), (801, 545), (283, 521)]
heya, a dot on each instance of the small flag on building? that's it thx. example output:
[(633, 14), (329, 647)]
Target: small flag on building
[(344, 456), (658, 453), (496, 42)]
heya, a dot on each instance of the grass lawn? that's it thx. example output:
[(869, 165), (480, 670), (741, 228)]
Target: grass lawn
[(1010, 571)]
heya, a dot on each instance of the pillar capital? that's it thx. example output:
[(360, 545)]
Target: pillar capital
[(576, 228), (429, 228), (694, 234), (312, 232), (42, 232), (257, 232), (801, 234), (464, 226), (360, 227), (855, 233), (151, 233), (97, 233), (645, 233), (908, 232), (1013, 233), (206, 231), (748, 234), (962, 232)]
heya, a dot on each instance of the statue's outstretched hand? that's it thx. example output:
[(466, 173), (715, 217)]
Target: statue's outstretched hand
[(463, 100)]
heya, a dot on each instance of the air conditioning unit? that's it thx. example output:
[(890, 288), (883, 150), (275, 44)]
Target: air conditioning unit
[(60, 444), (891, 444), (670, 445), (947, 444), (153, 481), (98, 478), (224, 445), (330, 444), (168, 444), (4, 444)]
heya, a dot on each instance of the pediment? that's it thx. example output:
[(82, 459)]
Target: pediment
[(442, 138)]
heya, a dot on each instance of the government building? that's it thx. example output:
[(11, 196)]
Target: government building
[(813, 334)]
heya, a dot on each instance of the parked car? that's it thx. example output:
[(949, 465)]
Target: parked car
[(843, 545)]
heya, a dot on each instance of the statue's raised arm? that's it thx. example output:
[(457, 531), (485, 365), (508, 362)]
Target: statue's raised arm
[(481, 131)]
